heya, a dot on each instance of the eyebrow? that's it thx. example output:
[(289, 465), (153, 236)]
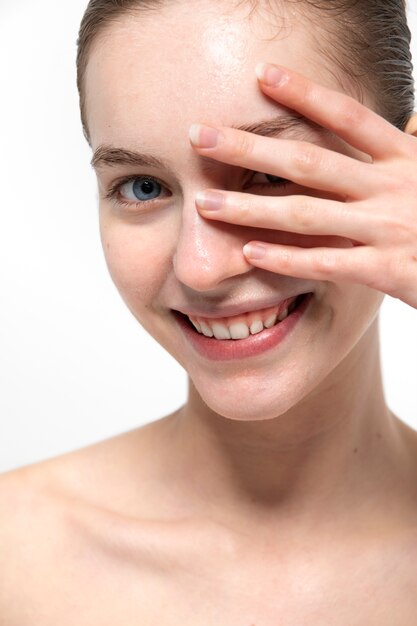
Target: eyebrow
[(292, 123)]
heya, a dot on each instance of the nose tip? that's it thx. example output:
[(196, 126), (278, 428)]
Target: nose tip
[(208, 253)]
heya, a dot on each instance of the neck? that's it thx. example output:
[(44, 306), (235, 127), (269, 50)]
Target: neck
[(336, 453)]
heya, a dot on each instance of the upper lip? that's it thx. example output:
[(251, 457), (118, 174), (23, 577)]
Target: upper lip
[(238, 309)]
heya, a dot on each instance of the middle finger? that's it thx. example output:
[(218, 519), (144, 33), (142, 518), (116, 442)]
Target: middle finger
[(299, 161), (306, 215)]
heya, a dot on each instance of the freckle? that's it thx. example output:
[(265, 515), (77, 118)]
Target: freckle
[(414, 258), (355, 450), (379, 435)]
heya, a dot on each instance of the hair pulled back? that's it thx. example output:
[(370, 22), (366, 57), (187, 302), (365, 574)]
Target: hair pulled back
[(368, 41)]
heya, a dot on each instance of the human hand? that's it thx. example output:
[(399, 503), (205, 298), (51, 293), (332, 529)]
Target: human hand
[(379, 207)]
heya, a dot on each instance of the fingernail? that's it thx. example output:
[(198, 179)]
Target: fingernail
[(270, 74), (203, 136), (254, 250), (210, 200)]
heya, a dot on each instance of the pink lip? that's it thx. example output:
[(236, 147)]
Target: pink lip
[(228, 349)]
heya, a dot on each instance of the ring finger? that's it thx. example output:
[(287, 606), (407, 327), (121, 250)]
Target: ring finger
[(297, 214)]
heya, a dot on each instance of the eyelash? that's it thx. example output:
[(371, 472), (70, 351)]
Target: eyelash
[(113, 192)]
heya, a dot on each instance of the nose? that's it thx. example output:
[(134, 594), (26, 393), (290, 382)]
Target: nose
[(208, 252)]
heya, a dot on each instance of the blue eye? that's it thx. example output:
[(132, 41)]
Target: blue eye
[(272, 180), (142, 189)]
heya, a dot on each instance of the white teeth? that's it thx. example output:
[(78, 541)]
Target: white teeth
[(256, 327), (270, 321), (239, 330), (283, 315), (196, 325), (220, 331), (206, 330)]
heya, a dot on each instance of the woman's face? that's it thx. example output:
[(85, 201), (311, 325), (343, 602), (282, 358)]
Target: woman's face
[(149, 78)]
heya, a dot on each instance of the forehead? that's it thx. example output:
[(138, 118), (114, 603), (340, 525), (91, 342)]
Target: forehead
[(152, 74)]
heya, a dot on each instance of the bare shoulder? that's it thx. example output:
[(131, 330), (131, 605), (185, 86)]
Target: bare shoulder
[(57, 519), (73, 527), (25, 505), (29, 539), (94, 473), (42, 504)]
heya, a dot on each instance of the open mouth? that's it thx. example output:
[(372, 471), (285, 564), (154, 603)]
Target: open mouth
[(245, 326)]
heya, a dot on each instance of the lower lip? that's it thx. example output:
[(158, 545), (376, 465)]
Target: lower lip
[(228, 349)]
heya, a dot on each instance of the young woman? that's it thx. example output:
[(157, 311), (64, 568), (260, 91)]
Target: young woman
[(284, 490)]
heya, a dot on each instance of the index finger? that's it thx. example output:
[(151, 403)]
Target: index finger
[(346, 117)]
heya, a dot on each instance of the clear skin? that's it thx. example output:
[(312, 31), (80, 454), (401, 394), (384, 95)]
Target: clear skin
[(289, 462), (307, 415)]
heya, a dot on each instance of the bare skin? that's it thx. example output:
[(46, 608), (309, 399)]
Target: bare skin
[(94, 537), (284, 490)]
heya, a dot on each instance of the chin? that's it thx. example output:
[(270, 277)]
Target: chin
[(247, 399)]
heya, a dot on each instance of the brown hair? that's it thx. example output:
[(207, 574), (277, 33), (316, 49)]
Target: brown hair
[(367, 41)]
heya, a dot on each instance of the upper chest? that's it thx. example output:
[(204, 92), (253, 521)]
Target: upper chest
[(175, 576)]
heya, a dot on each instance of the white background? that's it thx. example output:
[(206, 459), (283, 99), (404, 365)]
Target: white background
[(75, 366)]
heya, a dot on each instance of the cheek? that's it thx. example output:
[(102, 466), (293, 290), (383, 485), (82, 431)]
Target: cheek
[(137, 258), (355, 309)]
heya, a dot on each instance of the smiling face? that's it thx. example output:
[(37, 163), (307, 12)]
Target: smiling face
[(150, 77)]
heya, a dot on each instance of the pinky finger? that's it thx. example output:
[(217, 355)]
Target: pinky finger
[(360, 264)]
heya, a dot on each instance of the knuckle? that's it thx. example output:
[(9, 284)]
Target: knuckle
[(242, 145), (386, 272), (324, 264), (397, 184), (399, 228), (286, 259), (302, 211), (404, 225), (351, 115), (407, 184), (306, 158), (304, 93), (245, 205), (409, 220)]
